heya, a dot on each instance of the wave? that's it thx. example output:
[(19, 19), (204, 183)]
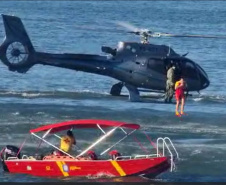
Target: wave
[(204, 98), (51, 94), (210, 98), (100, 175)]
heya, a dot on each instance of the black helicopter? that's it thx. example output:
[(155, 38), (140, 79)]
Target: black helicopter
[(137, 66)]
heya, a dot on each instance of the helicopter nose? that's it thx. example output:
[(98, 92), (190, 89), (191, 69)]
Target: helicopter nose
[(204, 80)]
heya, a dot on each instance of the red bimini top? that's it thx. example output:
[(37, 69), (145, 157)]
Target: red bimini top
[(84, 123)]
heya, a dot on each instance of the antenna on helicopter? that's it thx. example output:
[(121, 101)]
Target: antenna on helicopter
[(145, 34)]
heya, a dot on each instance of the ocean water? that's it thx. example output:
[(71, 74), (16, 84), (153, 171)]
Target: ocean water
[(48, 94)]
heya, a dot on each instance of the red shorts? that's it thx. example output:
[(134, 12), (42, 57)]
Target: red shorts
[(179, 95)]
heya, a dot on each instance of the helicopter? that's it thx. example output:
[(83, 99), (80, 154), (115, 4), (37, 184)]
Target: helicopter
[(138, 66)]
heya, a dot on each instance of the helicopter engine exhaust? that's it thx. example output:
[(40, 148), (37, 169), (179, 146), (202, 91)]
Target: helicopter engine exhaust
[(16, 51)]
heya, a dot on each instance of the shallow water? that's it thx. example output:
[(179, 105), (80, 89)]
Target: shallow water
[(47, 94)]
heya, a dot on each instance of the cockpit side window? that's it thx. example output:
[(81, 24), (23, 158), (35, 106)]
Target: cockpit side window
[(202, 71), (156, 65), (189, 70)]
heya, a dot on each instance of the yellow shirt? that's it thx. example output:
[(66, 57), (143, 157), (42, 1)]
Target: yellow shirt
[(177, 84), (66, 143), (180, 89)]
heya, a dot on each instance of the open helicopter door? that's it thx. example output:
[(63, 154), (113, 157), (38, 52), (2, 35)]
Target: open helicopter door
[(177, 63)]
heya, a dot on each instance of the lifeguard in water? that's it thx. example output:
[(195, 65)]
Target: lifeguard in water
[(180, 97)]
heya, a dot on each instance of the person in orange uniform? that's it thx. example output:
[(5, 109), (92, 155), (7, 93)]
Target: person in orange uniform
[(180, 97), (67, 141)]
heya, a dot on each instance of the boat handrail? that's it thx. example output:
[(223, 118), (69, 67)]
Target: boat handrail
[(123, 157), (144, 156), (12, 158), (164, 144), (172, 145), (24, 157), (135, 157)]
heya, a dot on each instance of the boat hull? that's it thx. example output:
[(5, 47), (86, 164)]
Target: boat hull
[(56, 168)]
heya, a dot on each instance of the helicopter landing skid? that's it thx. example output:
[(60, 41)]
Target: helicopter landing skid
[(116, 89), (134, 94)]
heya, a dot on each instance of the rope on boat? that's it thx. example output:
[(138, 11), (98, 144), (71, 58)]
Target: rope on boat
[(152, 143), (21, 146), (141, 146)]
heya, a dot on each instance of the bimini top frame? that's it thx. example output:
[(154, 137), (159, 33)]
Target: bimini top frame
[(51, 129)]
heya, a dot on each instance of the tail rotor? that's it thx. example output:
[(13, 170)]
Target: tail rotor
[(16, 51)]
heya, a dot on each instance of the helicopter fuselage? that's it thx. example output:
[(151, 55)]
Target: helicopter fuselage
[(140, 65), (137, 65), (145, 65)]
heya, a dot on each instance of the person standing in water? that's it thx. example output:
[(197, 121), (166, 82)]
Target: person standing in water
[(170, 84), (180, 97)]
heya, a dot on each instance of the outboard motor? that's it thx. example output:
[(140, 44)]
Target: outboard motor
[(8, 151)]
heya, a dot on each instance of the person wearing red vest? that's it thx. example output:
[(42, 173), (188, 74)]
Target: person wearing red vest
[(180, 97)]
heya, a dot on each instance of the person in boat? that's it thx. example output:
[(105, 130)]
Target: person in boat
[(180, 86), (170, 83), (67, 141)]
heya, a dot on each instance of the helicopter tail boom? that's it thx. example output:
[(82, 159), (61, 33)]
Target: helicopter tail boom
[(16, 51)]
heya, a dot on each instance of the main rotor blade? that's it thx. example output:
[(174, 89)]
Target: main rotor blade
[(194, 36), (100, 29), (128, 26)]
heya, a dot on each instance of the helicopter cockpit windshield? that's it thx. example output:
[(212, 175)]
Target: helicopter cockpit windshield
[(203, 77), (190, 70), (184, 68)]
